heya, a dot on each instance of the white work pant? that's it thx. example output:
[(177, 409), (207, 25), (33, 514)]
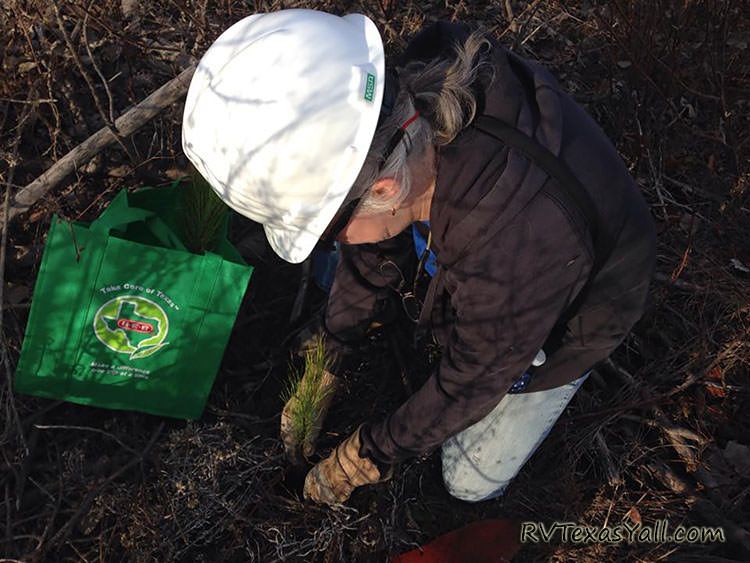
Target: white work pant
[(480, 461)]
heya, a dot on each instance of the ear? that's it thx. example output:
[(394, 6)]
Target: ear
[(385, 188)]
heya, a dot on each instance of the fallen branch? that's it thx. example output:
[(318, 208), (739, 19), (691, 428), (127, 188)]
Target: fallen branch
[(127, 124)]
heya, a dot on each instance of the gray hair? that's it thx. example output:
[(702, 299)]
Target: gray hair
[(442, 91)]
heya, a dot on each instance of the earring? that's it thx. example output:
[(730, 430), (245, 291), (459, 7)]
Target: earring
[(393, 211)]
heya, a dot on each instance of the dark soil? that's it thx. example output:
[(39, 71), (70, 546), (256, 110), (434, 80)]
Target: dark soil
[(660, 432)]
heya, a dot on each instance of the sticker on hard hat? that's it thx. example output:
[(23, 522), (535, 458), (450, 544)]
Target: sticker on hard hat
[(370, 87)]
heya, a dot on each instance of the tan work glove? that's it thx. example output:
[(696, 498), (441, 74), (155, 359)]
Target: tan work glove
[(293, 448), (332, 480)]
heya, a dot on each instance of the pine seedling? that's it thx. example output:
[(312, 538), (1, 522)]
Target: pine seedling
[(308, 395), (203, 214)]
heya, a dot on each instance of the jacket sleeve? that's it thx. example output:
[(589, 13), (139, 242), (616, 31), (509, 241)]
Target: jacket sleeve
[(506, 297)]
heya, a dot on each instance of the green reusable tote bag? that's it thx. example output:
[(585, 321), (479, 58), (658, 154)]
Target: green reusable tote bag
[(124, 317)]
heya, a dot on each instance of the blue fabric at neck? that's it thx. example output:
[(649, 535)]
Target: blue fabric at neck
[(420, 244)]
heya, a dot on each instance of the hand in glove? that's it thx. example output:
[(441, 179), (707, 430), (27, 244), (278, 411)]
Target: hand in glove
[(332, 480), (294, 444)]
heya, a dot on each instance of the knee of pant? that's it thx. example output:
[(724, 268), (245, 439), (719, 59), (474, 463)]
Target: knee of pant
[(468, 493)]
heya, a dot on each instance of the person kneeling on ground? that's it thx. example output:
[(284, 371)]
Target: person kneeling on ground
[(462, 161)]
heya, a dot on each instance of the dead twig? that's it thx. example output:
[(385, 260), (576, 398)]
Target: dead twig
[(105, 82), (11, 411), (678, 283), (512, 24), (108, 119), (62, 533), (531, 10), (613, 473), (33, 102), (642, 403), (735, 534), (694, 189), (131, 121), (22, 475), (55, 510), (655, 176), (87, 429), (677, 436)]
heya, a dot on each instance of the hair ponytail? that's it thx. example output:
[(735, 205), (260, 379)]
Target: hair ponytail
[(441, 90)]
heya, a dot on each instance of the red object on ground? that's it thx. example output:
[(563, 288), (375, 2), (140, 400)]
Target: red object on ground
[(486, 541)]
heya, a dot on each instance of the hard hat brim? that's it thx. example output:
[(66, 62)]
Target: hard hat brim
[(291, 245)]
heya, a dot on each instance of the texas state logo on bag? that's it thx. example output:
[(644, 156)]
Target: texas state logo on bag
[(132, 325)]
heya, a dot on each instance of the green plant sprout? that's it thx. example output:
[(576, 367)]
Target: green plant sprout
[(307, 395), (203, 214)]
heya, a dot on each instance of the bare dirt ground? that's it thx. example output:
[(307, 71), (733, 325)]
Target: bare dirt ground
[(662, 431)]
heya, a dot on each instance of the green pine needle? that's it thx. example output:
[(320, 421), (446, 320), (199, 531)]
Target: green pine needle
[(202, 216), (308, 389)]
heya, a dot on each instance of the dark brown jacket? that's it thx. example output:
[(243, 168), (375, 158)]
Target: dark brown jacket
[(513, 254)]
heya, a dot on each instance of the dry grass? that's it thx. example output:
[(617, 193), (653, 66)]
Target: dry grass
[(649, 435)]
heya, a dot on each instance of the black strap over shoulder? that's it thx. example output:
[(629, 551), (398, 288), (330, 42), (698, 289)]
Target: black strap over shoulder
[(571, 187), (556, 168)]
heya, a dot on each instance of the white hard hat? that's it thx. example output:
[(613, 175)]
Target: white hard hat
[(279, 117)]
